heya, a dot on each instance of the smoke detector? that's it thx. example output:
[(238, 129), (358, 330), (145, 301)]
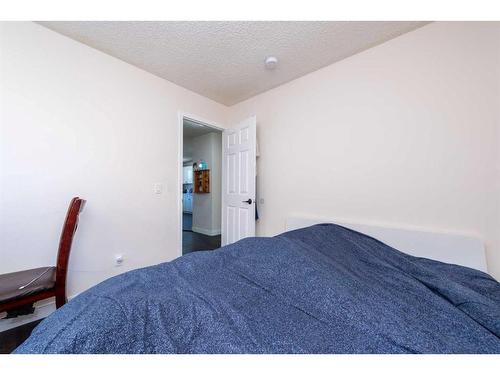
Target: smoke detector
[(271, 62)]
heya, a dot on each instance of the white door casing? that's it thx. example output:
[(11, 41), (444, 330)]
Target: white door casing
[(238, 181)]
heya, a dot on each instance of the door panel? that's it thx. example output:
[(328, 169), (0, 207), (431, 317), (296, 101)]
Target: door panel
[(244, 188), (231, 176), (238, 176), (244, 218)]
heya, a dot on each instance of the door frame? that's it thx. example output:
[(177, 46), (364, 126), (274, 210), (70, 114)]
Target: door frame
[(180, 164)]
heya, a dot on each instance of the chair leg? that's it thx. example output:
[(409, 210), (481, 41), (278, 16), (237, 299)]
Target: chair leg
[(60, 298)]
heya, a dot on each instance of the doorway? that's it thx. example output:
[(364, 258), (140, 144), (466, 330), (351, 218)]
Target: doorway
[(201, 185)]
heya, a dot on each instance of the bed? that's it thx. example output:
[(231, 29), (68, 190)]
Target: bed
[(324, 288)]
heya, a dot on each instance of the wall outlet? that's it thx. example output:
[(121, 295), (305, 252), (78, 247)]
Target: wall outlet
[(118, 260)]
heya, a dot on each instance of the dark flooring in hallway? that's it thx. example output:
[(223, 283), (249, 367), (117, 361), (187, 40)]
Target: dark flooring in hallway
[(187, 221), (192, 241)]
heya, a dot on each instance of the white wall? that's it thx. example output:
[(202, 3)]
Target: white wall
[(207, 207), (75, 121), (406, 132)]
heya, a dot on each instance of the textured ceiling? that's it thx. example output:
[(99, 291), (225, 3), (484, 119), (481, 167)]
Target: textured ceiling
[(224, 61)]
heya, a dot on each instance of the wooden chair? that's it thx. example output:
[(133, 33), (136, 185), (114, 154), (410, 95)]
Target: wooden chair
[(22, 289)]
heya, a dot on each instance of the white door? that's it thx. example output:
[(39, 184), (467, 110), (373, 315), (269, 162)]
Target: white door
[(238, 181)]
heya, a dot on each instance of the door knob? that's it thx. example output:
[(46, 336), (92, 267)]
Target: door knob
[(249, 201)]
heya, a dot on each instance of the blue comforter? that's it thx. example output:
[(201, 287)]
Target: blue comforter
[(323, 289)]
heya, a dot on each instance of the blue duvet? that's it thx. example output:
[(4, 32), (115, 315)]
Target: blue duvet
[(323, 289)]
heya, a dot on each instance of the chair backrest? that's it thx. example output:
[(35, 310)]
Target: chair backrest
[(70, 224)]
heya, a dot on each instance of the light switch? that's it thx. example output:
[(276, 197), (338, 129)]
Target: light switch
[(158, 188)]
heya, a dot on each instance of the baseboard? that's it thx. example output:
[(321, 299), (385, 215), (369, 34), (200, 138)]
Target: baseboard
[(42, 310), (207, 232)]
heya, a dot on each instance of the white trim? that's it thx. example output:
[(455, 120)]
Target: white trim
[(180, 118), (464, 249), (207, 232)]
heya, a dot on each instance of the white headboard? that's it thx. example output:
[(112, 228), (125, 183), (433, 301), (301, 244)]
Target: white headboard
[(449, 248)]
